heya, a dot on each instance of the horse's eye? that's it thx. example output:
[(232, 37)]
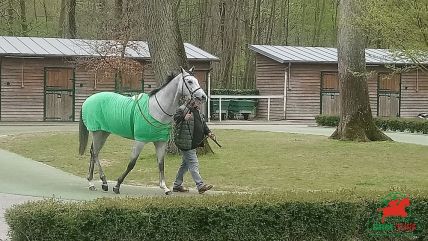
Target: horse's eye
[(190, 82)]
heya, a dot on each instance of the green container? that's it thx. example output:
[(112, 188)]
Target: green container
[(214, 106), (243, 106)]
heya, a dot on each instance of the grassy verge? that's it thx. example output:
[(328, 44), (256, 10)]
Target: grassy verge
[(252, 161)]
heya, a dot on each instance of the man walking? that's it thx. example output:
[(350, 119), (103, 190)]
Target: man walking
[(190, 131)]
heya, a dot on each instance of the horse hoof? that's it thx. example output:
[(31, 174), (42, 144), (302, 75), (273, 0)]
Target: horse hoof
[(92, 188), (104, 187), (168, 193), (116, 190)]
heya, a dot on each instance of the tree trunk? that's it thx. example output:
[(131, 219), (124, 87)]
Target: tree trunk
[(203, 10), (24, 25), (45, 10), (249, 15), (72, 19), (319, 16), (165, 42), (302, 28), (335, 6), (271, 22), (10, 18), (317, 19), (257, 32), (118, 9), (61, 22), (356, 121), (164, 37)]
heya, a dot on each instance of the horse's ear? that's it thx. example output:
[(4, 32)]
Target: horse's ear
[(191, 70), (182, 70)]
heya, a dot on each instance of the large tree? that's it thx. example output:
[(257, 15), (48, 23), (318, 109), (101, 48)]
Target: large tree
[(356, 121), (163, 36), (165, 43)]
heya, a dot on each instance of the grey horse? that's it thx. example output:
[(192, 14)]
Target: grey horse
[(143, 118)]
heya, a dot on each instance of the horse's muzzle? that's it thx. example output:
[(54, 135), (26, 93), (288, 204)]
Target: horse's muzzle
[(202, 98)]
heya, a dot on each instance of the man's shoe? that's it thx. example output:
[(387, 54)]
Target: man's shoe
[(180, 189), (204, 188)]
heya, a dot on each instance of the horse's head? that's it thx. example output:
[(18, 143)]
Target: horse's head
[(191, 87)]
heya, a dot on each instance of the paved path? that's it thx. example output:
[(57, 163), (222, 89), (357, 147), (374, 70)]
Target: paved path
[(323, 131), (20, 178)]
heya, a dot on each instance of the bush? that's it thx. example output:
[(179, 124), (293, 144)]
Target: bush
[(234, 92), (326, 120), (220, 217), (392, 124)]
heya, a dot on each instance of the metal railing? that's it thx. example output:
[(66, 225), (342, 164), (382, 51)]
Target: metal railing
[(220, 97)]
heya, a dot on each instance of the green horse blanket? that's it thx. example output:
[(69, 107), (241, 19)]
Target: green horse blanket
[(128, 117)]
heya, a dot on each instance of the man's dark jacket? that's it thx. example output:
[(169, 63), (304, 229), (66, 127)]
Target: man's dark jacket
[(191, 133)]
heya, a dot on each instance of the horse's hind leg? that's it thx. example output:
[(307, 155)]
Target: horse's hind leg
[(91, 170), (160, 153), (99, 139), (136, 150)]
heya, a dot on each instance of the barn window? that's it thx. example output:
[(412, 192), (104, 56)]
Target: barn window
[(330, 82), (389, 82), (103, 77), (330, 98), (132, 81)]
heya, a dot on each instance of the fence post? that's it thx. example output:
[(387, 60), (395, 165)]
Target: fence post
[(219, 109), (209, 96), (268, 109)]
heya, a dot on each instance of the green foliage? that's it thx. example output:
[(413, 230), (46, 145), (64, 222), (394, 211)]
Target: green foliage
[(399, 124), (235, 92), (385, 124), (220, 217), (396, 24), (327, 120)]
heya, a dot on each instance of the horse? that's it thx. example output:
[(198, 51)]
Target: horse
[(143, 118)]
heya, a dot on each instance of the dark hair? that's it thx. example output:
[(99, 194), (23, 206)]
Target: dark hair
[(170, 77)]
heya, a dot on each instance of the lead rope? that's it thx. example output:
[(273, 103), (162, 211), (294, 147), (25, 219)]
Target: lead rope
[(161, 126), (156, 98)]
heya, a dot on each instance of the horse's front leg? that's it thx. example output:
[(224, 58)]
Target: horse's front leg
[(160, 153), (136, 150)]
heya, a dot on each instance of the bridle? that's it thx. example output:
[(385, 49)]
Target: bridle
[(183, 78)]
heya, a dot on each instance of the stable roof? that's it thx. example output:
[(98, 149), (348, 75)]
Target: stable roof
[(59, 47), (293, 54)]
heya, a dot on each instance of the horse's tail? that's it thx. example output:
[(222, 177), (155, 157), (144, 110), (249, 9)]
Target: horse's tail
[(83, 135)]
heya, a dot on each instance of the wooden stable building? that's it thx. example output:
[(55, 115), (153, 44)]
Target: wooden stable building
[(307, 77), (40, 82)]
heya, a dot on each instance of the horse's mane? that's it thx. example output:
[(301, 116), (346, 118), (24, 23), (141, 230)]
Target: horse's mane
[(170, 77)]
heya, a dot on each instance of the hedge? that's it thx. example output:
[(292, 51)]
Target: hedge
[(391, 124), (235, 92), (219, 217)]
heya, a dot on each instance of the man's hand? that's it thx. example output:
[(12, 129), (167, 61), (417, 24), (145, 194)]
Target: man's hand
[(213, 137), (187, 116)]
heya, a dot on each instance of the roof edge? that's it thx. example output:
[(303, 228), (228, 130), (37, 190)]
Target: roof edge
[(264, 53)]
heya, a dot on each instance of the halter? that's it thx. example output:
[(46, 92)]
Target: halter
[(191, 94)]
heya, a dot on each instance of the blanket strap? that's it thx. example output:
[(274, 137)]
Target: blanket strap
[(131, 118), (161, 126)]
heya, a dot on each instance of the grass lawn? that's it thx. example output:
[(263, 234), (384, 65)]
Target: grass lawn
[(251, 161)]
